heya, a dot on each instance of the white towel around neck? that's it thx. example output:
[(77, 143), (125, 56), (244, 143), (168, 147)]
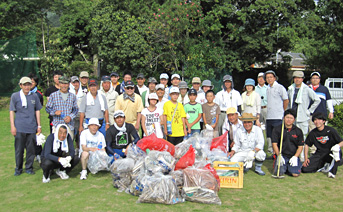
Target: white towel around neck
[(91, 100), (57, 142), (23, 98)]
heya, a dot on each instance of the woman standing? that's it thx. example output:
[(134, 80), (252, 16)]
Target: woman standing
[(251, 100)]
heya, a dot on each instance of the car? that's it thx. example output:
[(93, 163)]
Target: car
[(335, 86)]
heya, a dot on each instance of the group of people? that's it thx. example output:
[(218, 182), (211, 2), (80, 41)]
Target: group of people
[(109, 115)]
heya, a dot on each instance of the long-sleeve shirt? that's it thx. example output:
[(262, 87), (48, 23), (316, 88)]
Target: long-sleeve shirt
[(245, 141), (68, 108), (48, 149)]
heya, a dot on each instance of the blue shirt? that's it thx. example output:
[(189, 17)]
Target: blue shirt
[(263, 93), (323, 93)]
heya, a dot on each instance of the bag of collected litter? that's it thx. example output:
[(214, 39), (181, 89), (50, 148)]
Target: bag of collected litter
[(159, 162), (138, 184), (193, 177), (134, 152), (178, 177), (153, 143), (220, 142), (121, 173), (213, 172), (201, 195), (98, 161), (187, 160), (182, 148), (160, 189), (217, 155), (137, 169)]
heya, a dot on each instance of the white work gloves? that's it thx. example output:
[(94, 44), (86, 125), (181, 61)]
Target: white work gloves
[(250, 158), (208, 127), (293, 161), (40, 139), (187, 116), (281, 159), (335, 152), (65, 162)]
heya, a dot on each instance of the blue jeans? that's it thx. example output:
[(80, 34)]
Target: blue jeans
[(192, 132), (271, 123), (102, 129)]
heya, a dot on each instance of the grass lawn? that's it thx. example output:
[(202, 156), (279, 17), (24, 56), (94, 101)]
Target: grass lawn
[(309, 192)]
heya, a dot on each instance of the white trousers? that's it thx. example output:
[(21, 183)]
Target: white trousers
[(241, 156)]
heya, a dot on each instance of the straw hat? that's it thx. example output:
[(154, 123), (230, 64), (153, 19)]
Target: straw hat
[(247, 117)]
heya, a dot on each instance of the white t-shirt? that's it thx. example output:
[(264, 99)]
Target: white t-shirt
[(90, 140), (226, 100), (142, 89), (151, 118), (160, 104)]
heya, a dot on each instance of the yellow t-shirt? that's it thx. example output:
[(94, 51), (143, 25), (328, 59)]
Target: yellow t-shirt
[(130, 108), (177, 124)]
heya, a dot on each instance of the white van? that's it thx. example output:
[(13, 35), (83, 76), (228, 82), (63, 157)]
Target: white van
[(335, 86)]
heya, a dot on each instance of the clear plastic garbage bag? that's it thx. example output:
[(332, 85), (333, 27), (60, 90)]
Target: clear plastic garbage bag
[(159, 162), (201, 195), (98, 161), (193, 177)]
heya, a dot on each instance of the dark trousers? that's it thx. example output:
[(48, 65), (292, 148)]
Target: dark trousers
[(317, 161), (38, 149), (175, 140), (22, 141), (271, 123), (49, 165)]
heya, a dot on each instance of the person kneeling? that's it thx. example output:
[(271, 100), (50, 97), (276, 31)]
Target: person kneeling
[(58, 153), (292, 145), (328, 143), (91, 140), (248, 145), (119, 135)]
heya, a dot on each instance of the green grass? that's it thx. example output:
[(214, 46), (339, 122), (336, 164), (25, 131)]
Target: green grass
[(309, 192)]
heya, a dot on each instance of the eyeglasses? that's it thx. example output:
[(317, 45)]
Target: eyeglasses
[(129, 88)]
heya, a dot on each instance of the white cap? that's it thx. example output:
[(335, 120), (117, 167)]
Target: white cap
[(164, 76), (160, 86), (94, 121), (118, 113), (153, 96), (174, 90), (175, 75), (261, 74)]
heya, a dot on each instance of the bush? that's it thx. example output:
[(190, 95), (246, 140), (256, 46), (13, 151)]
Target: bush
[(337, 122)]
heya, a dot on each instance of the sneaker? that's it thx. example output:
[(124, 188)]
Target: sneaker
[(30, 171), (38, 158), (330, 175), (17, 173), (63, 175), (46, 180), (83, 175)]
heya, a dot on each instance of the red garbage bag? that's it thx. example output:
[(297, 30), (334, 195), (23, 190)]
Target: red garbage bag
[(220, 142), (186, 160), (151, 142), (213, 172)]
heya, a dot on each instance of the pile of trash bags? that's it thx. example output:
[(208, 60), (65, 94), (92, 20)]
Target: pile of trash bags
[(158, 172)]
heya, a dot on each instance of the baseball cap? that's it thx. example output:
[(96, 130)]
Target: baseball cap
[(129, 83), (106, 78), (152, 79), (261, 74), (63, 79), (231, 110), (114, 74), (192, 91), (175, 75), (298, 74), (140, 75), (74, 78), (93, 121), (92, 82), (315, 73), (174, 90), (160, 86), (84, 74), (24, 80), (153, 96), (196, 80), (164, 76), (118, 113), (227, 78)]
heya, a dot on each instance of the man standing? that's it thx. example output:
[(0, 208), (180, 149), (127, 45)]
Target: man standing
[(300, 96), (127, 76), (84, 77), (196, 82), (115, 80), (261, 89), (25, 123), (249, 143), (277, 101), (62, 106), (152, 82), (164, 81), (328, 144), (292, 145), (175, 80), (231, 124), (226, 98), (160, 90), (140, 83), (94, 105), (111, 96), (131, 104)]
